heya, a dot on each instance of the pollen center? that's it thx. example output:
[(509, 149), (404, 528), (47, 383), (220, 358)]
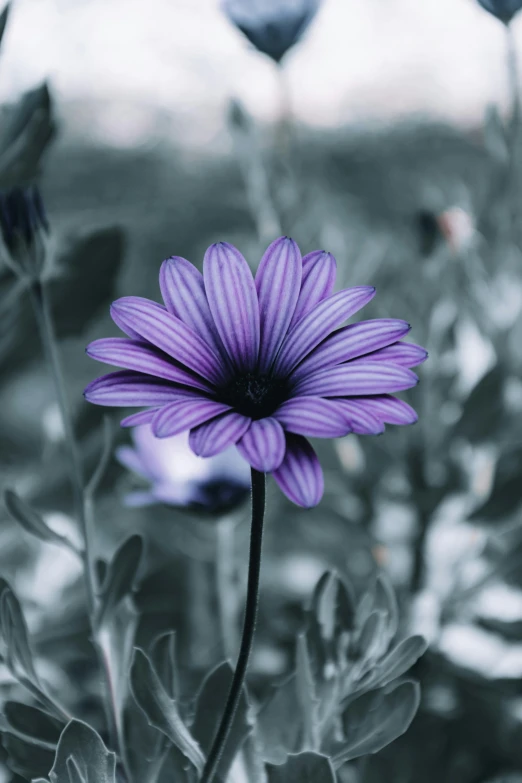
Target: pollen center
[(255, 396)]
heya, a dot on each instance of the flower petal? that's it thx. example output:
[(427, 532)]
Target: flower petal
[(184, 414), (232, 298), (278, 281), (215, 436), (123, 324), (355, 378), (170, 334), (388, 409), (319, 270), (300, 475), (405, 354), (314, 417), (127, 388), (130, 459), (263, 445), (318, 324), (135, 419), (362, 420), (142, 357), (350, 342), (183, 291)]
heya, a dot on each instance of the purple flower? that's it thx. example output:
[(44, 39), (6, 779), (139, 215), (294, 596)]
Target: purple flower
[(257, 363), (272, 26), (178, 477), (504, 10)]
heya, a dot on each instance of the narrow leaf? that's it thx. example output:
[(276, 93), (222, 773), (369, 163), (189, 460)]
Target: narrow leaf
[(308, 702), (303, 768), (163, 656), (82, 746), (121, 576), (31, 722), (32, 522), (75, 775)]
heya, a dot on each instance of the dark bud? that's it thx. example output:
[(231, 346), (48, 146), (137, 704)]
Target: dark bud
[(504, 10), (272, 26)]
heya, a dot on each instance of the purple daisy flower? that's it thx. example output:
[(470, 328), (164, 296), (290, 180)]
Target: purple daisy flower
[(272, 26), (504, 10), (257, 363), (178, 477)]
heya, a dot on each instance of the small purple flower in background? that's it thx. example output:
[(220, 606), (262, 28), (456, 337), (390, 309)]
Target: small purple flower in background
[(272, 26), (178, 477), (260, 364), (504, 10)]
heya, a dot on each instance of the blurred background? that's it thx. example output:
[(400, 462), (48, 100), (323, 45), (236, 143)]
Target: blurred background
[(389, 135)]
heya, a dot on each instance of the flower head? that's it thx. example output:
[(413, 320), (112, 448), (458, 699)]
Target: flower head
[(178, 477), (272, 26), (257, 363), (504, 10), (22, 223)]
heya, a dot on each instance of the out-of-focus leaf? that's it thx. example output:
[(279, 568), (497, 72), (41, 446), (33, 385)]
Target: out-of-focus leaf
[(306, 695), (3, 20), (483, 412), (121, 577), (27, 758), (27, 130), (15, 633), (377, 718), (386, 602), (393, 665), (506, 494), (85, 747), (495, 139), (163, 657), (31, 521), (277, 729), (303, 768), (209, 707), (331, 615), (32, 723), (89, 270), (161, 711)]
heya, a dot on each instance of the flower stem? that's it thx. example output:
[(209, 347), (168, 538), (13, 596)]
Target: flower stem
[(43, 315), (249, 625), (225, 585)]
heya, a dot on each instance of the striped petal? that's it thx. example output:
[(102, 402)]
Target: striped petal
[(362, 420), (405, 354), (300, 476), (319, 270), (350, 342), (135, 419), (314, 417), (278, 281), (127, 388), (388, 409), (263, 445), (123, 324), (215, 436), (232, 298), (320, 321), (170, 334), (354, 378), (183, 292), (182, 415), (142, 357)]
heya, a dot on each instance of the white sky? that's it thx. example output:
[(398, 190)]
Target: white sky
[(362, 59)]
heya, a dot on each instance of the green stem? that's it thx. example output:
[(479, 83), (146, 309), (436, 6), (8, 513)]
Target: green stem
[(249, 625), (225, 588)]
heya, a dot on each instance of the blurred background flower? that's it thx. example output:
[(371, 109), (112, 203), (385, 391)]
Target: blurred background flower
[(504, 10)]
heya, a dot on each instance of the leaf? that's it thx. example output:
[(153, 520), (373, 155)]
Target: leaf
[(31, 722), (303, 768), (163, 656), (306, 696), (32, 522), (75, 776), (331, 616), (121, 577), (209, 707), (393, 665), (160, 710), (89, 266), (3, 20), (386, 602), (483, 412), (495, 139), (376, 719), (276, 726), (82, 746), (28, 759), (27, 131), (506, 495), (174, 768), (15, 633)]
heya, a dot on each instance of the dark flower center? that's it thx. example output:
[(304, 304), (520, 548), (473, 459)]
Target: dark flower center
[(255, 396)]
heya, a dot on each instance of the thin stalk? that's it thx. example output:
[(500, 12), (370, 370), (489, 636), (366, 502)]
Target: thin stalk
[(225, 587), (43, 315), (249, 625), (514, 84)]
